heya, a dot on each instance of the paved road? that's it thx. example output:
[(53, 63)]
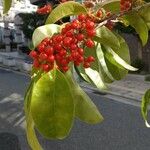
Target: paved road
[(122, 129)]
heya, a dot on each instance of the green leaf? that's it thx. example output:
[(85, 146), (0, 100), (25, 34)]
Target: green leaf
[(111, 5), (65, 9), (119, 60), (144, 106), (42, 32), (81, 73), (140, 26), (94, 72), (6, 6), (106, 37), (108, 78), (52, 105), (85, 109), (31, 135)]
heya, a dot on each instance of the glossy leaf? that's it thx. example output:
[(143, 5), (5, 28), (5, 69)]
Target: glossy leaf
[(117, 71), (65, 9), (144, 106), (119, 60), (31, 135), (106, 37), (42, 32), (85, 109), (6, 6), (52, 105), (108, 78), (94, 72), (140, 26)]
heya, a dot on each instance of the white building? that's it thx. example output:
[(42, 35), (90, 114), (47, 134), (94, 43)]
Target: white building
[(10, 24)]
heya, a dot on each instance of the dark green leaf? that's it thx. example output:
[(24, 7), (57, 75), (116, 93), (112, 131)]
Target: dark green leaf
[(52, 105), (106, 37), (139, 24), (65, 9), (6, 6), (144, 106)]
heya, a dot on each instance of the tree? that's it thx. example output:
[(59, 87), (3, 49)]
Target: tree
[(87, 45)]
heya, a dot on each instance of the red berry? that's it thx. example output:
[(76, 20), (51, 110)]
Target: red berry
[(91, 33), (76, 63), (90, 24), (49, 50), (81, 17), (80, 37), (67, 41), (75, 24), (86, 65), (57, 47), (45, 67), (59, 38), (65, 68), (43, 56), (41, 47), (80, 51), (69, 33), (51, 59), (90, 59), (33, 54), (73, 46), (36, 63), (62, 53), (80, 59), (89, 43), (64, 62)]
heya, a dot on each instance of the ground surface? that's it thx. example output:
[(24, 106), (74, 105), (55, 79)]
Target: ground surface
[(122, 129)]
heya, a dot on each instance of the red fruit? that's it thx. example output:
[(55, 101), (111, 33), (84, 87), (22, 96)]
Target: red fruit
[(59, 38), (45, 67), (90, 24), (57, 47), (75, 24), (86, 65), (68, 27), (49, 50), (69, 58), (80, 37), (108, 13), (67, 41), (81, 17), (33, 54), (69, 33), (62, 53), (90, 59), (73, 46), (65, 68), (91, 33), (51, 59), (80, 59), (64, 62), (89, 43), (43, 56), (76, 63), (36, 63), (80, 51), (46, 41), (44, 10), (63, 31), (41, 47)]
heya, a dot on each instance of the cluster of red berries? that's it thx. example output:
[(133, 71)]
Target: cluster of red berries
[(46, 9), (125, 5), (66, 47)]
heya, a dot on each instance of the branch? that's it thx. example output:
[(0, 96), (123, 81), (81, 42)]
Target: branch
[(117, 15)]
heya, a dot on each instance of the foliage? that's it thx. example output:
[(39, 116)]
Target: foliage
[(54, 99)]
